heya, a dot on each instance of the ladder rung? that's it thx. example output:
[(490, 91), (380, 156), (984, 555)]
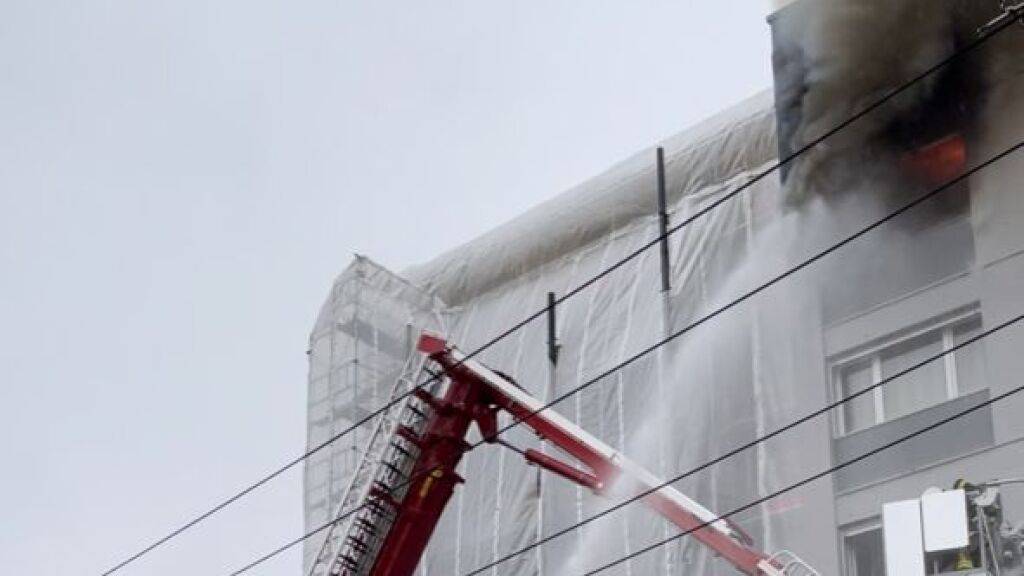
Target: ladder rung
[(393, 468), (366, 525), (399, 448), (357, 543), (376, 505)]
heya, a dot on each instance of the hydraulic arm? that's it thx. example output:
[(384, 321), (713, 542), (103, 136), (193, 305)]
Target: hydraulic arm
[(475, 394)]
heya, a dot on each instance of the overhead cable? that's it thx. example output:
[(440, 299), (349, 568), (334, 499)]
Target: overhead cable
[(673, 336), (961, 52), (812, 478), (718, 459)]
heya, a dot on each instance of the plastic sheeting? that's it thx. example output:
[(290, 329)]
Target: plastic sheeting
[(747, 372), (671, 410)]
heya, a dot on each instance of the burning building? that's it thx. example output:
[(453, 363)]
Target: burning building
[(927, 281)]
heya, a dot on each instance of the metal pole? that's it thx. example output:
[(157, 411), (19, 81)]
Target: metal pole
[(666, 328), (666, 284), (552, 330)]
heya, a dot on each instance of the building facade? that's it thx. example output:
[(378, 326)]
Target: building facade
[(943, 272)]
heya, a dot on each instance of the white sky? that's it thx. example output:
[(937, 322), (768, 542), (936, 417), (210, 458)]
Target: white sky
[(180, 182)]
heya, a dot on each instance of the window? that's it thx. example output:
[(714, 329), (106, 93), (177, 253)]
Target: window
[(864, 551), (947, 378)]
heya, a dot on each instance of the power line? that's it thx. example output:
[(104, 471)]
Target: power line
[(810, 479), (963, 51), (764, 286), (748, 445), (733, 303)]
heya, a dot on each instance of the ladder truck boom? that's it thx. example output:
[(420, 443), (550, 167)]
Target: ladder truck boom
[(475, 394)]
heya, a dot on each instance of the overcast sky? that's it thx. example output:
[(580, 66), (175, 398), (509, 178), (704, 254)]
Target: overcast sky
[(181, 181)]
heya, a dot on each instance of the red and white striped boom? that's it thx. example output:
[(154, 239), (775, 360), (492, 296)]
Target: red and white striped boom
[(476, 393)]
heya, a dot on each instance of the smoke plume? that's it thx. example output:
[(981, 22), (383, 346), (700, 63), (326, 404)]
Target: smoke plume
[(835, 57)]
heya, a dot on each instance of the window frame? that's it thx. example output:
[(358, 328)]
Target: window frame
[(856, 529), (874, 353)]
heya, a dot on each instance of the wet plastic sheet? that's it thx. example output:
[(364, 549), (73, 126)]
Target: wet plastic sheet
[(673, 409)]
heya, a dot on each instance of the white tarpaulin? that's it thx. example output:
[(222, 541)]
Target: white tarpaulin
[(782, 354), (709, 399)]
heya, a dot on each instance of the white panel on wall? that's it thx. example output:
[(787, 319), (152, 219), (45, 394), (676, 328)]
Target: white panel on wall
[(904, 549)]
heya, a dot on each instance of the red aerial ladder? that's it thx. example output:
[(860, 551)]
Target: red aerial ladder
[(413, 476)]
